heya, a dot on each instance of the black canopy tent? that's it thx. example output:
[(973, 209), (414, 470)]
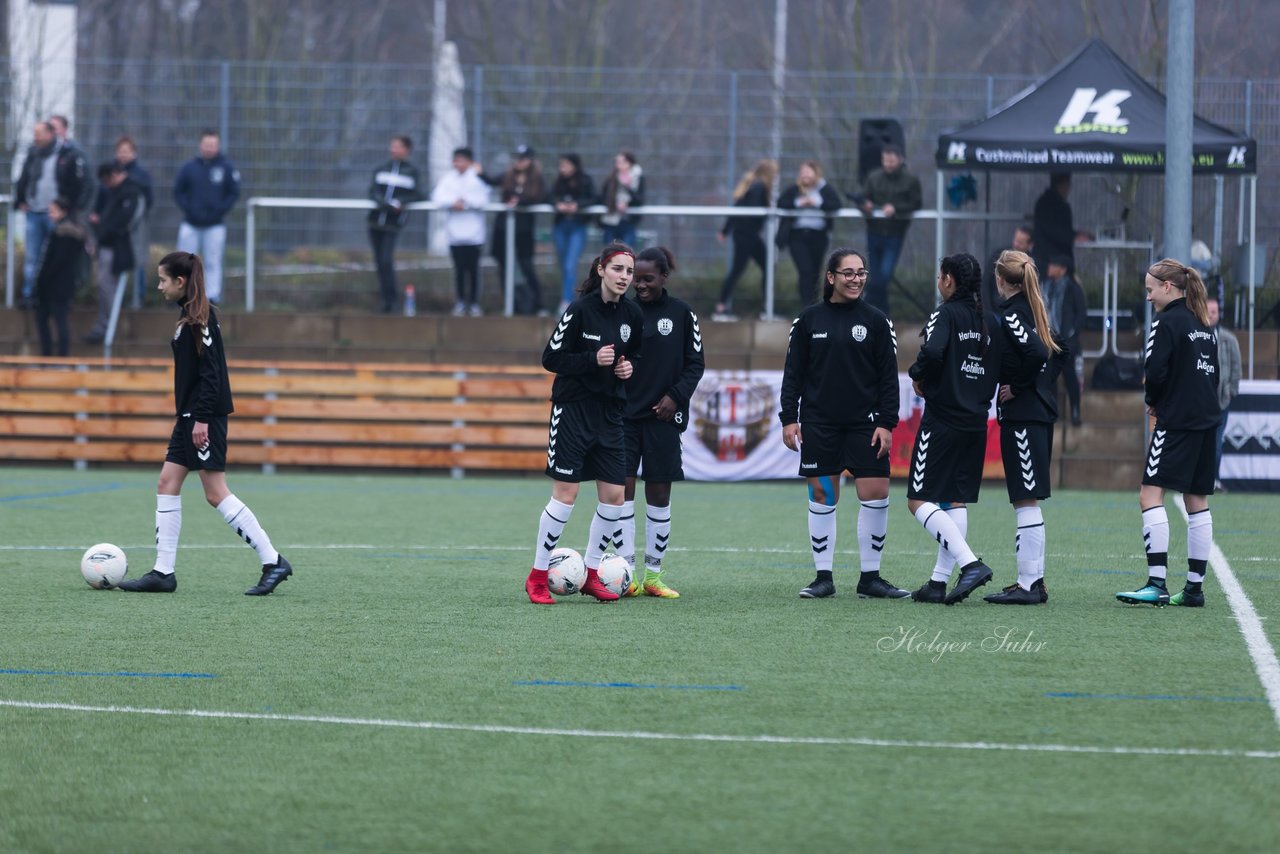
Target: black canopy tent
[(1093, 113)]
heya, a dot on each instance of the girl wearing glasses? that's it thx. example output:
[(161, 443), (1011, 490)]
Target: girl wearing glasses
[(839, 407)]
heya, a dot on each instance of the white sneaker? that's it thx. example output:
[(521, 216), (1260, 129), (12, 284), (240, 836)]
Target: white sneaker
[(476, 311), (459, 309)]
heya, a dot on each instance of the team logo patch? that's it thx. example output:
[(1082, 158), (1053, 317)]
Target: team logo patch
[(665, 326), (624, 332), (859, 333)]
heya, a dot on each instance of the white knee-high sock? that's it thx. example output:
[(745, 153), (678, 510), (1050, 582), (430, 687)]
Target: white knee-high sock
[(168, 526), (945, 563), (604, 530), (657, 534), (628, 523), (245, 524), (943, 528), (1028, 545), (1155, 536), (550, 526), (873, 527), (822, 535), (1199, 540)]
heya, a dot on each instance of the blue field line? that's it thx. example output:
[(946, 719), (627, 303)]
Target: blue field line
[(63, 493), (7, 671), (556, 683), (1085, 695)]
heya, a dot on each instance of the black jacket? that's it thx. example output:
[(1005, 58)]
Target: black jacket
[(671, 362), (609, 195), (206, 190), (587, 325), (395, 180), (1052, 231), (121, 209), (756, 196), (201, 388), (71, 174), (577, 188), (787, 201), (1182, 370), (958, 379), (842, 367), (61, 262), (1025, 366)]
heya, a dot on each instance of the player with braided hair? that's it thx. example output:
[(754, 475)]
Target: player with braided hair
[(1181, 382), (955, 372)]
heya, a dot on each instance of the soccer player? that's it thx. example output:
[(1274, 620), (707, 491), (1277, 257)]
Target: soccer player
[(955, 372), (591, 352), (202, 400), (657, 412), (1027, 407), (839, 407), (1182, 394)]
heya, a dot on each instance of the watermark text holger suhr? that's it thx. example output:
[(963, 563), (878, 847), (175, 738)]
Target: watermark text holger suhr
[(1002, 639)]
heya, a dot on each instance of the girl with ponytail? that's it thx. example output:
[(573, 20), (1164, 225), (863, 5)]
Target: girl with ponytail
[(1027, 409), (956, 374), (202, 402), (1181, 386)]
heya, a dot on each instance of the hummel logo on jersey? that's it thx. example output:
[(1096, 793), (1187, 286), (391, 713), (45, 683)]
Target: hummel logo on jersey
[(590, 337), (206, 336), (1024, 459), (697, 333), (1151, 339), (928, 327), (1153, 457), (818, 335), (893, 336), (808, 465), (665, 326), (557, 337), (1015, 326)]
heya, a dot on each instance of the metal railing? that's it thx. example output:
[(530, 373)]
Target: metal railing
[(7, 201), (772, 216)]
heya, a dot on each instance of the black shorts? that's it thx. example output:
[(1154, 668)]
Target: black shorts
[(946, 464), (585, 442), (1185, 461), (656, 444), (1027, 451), (828, 449), (212, 457)]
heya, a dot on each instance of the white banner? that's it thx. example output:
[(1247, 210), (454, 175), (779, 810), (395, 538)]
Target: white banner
[(1251, 443)]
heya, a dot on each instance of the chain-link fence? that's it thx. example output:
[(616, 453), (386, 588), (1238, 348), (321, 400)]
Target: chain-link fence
[(318, 129)]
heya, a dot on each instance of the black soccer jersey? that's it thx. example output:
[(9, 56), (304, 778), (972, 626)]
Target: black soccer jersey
[(1182, 370), (842, 367), (671, 360), (587, 325), (958, 379), (201, 388), (1025, 366)]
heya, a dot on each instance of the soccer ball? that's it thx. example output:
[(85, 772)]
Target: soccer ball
[(104, 566), (615, 573), (566, 572)]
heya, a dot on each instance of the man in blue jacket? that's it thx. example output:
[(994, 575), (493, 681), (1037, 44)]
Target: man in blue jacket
[(205, 191)]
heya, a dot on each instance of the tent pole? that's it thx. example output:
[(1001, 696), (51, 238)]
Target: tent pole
[(1253, 260), (939, 228)]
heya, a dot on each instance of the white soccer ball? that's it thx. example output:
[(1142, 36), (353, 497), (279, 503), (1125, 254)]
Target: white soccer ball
[(104, 566), (615, 573), (566, 573)]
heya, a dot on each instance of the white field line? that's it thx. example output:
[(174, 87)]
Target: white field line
[(640, 735), (1260, 650)]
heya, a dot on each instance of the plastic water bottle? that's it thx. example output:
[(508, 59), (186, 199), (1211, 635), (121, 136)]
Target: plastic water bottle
[(410, 301)]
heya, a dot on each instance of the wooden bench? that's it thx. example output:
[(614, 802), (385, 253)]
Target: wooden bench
[(321, 414)]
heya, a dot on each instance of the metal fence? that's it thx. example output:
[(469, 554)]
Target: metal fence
[(318, 129)]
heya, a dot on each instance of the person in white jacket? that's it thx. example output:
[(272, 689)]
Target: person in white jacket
[(464, 193)]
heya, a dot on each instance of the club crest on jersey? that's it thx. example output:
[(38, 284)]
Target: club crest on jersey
[(665, 326), (624, 332), (859, 332)]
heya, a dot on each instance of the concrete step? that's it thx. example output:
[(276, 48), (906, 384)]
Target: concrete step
[(1086, 471)]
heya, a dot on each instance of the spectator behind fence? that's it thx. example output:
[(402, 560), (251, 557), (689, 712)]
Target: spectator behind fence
[(1064, 300), (572, 191), (621, 191), (1021, 242), (120, 208), (395, 185), (1230, 368), (464, 193), (1053, 232), (520, 186), (83, 199), (891, 196), (47, 173), (127, 156), (754, 190), (58, 276), (807, 235), (206, 190)]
